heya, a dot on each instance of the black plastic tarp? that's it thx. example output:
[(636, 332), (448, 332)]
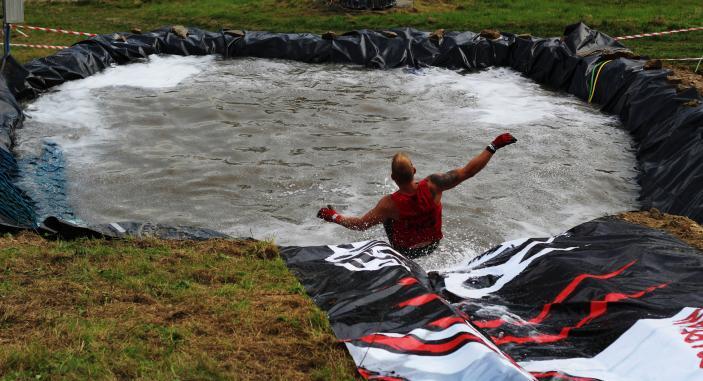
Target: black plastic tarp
[(607, 300), (16, 210), (382, 306)]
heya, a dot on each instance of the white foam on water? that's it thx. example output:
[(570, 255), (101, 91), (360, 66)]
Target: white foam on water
[(157, 72), (76, 108), (493, 100)]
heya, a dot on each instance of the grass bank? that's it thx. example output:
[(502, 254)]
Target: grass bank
[(540, 18), (157, 310)]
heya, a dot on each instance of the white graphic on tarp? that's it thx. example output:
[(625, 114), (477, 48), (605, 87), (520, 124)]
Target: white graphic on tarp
[(507, 271), (365, 256), (481, 259), (651, 350)]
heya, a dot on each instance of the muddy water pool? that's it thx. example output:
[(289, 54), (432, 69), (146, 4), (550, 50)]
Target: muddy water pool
[(254, 147)]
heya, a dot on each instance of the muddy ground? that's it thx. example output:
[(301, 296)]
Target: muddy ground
[(681, 227), (689, 78)]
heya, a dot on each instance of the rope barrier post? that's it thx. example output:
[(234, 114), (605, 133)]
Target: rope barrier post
[(13, 13), (6, 35)]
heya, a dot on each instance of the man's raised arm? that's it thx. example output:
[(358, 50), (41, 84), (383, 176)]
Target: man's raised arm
[(448, 180)]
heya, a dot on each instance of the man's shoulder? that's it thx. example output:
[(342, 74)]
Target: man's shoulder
[(387, 207), (386, 200), (434, 182), (386, 203)]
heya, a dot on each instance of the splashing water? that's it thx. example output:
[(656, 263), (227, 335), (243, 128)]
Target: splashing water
[(255, 147)]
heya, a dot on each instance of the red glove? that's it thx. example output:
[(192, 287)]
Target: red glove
[(501, 141), (328, 214)]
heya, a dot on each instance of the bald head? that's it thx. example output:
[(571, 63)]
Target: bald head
[(402, 169)]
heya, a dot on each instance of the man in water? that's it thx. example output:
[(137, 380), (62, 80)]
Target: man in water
[(412, 216)]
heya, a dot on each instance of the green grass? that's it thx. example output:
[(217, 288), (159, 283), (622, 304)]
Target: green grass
[(539, 18), (155, 310)]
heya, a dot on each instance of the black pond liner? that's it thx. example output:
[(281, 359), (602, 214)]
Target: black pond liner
[(666, 124)]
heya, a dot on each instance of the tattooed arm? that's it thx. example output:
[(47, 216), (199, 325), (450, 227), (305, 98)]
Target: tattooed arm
[(448, 180), (444, 181)]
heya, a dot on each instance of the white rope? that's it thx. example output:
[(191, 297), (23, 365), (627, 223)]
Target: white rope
[(685, 59), (680, 59), (658, 33), (36, 46), (64, 31)]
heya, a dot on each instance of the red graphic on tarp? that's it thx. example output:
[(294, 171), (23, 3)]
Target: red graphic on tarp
[(693, 331), (695, 318), (571, 287), (371, 375), (560, 298), (418, 300), (407, 281), (446, 322), (411, 344), (556, 376), (598, 308)]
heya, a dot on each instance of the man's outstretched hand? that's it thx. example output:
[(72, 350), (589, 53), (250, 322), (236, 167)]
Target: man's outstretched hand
[(328, 214), (501, 141)]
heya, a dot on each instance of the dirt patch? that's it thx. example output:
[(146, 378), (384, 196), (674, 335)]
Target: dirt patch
[(689, 78), (680, 227)]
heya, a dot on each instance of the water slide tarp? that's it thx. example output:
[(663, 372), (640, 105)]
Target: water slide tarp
[(608, 300)]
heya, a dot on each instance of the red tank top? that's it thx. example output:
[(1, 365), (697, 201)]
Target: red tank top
[(419, 218)]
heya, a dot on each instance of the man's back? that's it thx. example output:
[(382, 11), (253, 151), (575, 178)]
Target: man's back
[(419, 218), (412, 216)]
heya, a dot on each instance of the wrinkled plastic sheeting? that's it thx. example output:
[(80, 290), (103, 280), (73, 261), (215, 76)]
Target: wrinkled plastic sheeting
[(585, 41), (595, 303), (666, 124), (16, 209), (374, 49), (590, 298), (58, 228), (143, 230), (669, 133), (11, 117), (381, 305)]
